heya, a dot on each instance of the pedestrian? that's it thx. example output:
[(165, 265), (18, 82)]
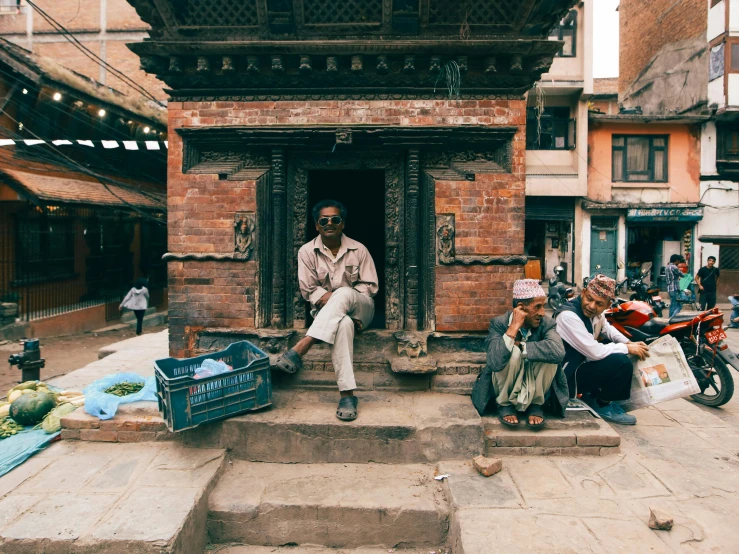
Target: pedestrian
[(734, 317), (707, 280), (673, 275), (137, 300)]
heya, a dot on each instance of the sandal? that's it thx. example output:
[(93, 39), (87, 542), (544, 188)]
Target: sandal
[(289, 362), (506, 411), (347, 409), (536, 411)]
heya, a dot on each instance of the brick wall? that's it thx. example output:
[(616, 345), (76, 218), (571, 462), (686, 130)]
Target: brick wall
[(489, 212), (645, 27), (84, 16)]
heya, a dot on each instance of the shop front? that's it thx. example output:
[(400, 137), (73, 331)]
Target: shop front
[(549, 238), (653, 235)]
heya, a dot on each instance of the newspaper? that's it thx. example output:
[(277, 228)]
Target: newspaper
[(665, 375)]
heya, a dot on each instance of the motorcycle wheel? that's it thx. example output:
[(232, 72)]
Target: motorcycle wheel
[(657, 310), (554, 302), (718, 388)]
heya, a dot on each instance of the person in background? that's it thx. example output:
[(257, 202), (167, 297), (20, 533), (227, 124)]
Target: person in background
[(137, 300), (673, 275), (707, 280), (734, 317)]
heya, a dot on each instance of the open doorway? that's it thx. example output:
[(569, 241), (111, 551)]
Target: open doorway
[(363, 194)]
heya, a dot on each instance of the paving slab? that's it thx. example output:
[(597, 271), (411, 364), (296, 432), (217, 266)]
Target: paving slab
[(246, 549), (112, 498), (335, 505)]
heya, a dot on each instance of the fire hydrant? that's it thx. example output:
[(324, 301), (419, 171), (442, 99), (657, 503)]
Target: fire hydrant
[(29, 361)]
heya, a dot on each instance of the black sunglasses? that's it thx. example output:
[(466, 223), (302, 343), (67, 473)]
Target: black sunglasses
[(335, 219)]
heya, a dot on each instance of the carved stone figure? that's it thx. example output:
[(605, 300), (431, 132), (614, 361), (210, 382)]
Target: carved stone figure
[(411, 345), (445, 238), (244, 227)]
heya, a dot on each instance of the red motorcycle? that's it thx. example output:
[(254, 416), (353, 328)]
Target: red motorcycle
[(701, 337)]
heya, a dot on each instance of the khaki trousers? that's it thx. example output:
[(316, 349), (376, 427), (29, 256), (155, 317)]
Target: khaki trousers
[(333, 325), (521, 384)]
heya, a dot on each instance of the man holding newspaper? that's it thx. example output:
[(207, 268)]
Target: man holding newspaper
[(602, 373)]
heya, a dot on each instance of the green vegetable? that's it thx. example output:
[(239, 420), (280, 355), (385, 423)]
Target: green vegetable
[(53, 420), (8, 427), (125, 388), (31, 408)]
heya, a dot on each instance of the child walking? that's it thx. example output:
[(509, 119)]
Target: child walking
[(137, 300)]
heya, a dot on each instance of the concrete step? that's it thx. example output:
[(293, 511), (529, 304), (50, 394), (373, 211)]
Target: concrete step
[(301, 427), (128, 316), (248, 549), (578, 434), (332, 505), (114, 498), (151, 320), (110, 328)]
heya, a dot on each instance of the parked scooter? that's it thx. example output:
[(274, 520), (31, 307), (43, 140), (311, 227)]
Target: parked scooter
[(647, 293), (701, 337), (558, 292), (586, 280)]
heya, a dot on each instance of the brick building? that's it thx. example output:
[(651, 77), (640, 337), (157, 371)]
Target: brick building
[(420, 132), (676, 64), (102, 26), (79, 221)]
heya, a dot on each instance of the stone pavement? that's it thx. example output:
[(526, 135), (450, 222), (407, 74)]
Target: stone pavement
[(136, 355), (161, 497)]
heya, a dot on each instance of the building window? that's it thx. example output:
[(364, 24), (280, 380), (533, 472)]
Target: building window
[(728, 256), (727, 147), (566, 31), (554, 130), (640, 158), (44, 249)]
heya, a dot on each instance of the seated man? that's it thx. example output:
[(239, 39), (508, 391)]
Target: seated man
[(523, 357), (338, 277), (601, 372)]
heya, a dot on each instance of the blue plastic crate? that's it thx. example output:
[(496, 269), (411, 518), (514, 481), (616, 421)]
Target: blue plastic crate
[(186, 402)]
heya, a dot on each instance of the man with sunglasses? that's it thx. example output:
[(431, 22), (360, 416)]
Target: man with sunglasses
[(338, 277)]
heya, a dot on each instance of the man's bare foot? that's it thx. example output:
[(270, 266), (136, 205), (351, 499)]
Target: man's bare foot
[(535, 420), (357, 325), (513, 420)]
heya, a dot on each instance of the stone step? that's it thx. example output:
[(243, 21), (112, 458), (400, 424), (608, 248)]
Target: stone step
[(332, 505), (248, 549), (114, 498), (578, 434), (128, 316), (301, 427)]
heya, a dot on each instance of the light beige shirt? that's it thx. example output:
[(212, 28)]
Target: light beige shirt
[(320, 272)]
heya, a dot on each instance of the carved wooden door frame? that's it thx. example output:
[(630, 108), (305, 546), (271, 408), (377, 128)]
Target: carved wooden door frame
[(299, 165)]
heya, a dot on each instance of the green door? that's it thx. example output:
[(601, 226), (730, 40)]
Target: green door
[(603, 245)]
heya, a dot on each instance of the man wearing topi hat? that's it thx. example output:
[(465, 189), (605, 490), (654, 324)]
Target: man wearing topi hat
[(600, 372), (523, 371)]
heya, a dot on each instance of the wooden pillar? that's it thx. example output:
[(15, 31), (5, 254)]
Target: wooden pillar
[(411, 239), (279, 242)]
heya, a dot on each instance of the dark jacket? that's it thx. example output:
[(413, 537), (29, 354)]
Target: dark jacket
[(543, 345), (573, 358)]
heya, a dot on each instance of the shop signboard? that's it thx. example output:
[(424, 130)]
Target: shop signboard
[(664, 214)]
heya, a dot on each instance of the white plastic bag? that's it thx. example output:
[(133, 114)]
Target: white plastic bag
[(665, 375)]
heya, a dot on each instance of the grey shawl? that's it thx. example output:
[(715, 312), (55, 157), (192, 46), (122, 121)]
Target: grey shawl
[(543, 345)]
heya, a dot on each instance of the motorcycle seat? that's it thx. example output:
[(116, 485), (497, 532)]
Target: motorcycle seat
[(683, 316), (654, 325)]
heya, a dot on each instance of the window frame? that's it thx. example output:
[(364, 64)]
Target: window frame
[(624, 158), (44, 259), (568, 22), (554, 121)]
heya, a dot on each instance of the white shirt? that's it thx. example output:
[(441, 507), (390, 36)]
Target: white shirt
[(572, 330), (510, 343)]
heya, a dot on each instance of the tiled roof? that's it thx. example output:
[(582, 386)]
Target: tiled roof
[(605, 86), (58, 190)]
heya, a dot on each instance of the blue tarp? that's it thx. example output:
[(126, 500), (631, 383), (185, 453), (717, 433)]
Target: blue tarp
[(104, 405), (17, 449)]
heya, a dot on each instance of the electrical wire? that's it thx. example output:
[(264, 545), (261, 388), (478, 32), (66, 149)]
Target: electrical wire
[(101, 179), (91, 55)]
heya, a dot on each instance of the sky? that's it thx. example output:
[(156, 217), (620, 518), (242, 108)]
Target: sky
[(605, 38)]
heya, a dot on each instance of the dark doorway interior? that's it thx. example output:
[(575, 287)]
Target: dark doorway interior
[(363, 194)]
